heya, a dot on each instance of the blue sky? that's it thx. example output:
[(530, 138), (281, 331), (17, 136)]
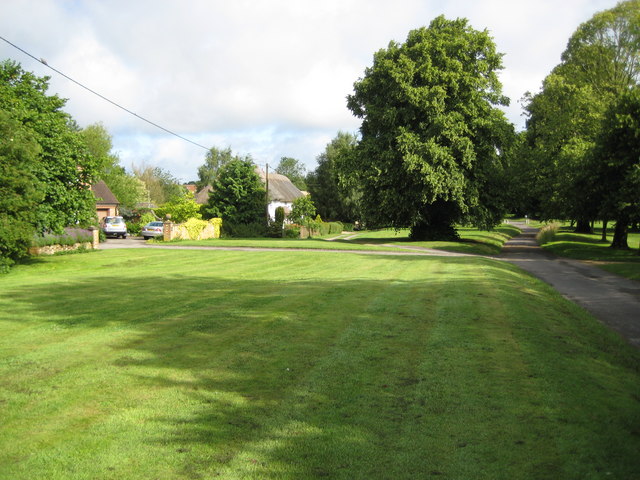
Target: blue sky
[(267, 78)]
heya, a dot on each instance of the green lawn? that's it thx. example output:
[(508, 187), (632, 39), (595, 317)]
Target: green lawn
[(473, 241), (590, 247), (172, 364)]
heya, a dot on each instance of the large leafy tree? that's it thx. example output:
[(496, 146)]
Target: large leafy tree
[(160, 184), (565, 121), (432, 135), (181, 209), (20, 189), (128, 189), (215, 159), (65, 168), (335, 198), (617, 164), (238, 196), (294, 170)]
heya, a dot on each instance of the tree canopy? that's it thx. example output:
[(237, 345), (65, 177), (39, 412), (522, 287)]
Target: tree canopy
[(162, 186), (617, 164), (65, 169), (128, 189), (294, 170), (431, 133), (336, 197), (568, 117), (238, 196), (215, 159), (20, 189)]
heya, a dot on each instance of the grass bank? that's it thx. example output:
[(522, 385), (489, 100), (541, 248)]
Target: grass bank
[(140, 364), (590, 247)]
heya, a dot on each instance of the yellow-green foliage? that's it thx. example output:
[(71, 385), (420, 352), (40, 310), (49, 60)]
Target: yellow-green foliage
[(547, 233), (196, 229)]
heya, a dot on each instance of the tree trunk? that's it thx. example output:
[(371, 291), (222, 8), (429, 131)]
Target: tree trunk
[(437, 223), (604, 230), (433, 231), (620, 235), (583, 226)]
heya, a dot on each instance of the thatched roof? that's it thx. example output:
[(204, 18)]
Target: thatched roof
[(103, 195), (202, 196), (280, 187)]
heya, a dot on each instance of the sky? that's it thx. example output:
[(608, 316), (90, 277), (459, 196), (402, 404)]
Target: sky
[(266, 78)]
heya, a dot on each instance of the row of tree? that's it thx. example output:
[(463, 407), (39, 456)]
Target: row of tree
[(434, 148), (579, 156)]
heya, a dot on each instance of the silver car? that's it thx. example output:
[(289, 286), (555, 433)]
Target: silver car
[(114, 227), (152, 229)]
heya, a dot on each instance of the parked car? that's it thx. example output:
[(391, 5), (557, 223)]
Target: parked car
[(151, 229), (114, 227)]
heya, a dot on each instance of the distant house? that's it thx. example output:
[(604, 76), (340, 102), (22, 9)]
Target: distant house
[(202, 196), (191, 188), (281, 192), (106, 202)]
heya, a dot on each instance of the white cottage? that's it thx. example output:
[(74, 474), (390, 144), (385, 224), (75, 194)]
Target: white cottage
[(281, 192)]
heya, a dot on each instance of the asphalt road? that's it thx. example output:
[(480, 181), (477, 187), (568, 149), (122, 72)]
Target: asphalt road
[(613, 300), (129, 242)]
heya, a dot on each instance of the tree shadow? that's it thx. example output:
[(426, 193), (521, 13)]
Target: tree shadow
[(281, 386)]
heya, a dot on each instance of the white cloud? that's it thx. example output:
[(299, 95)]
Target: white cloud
[(267, 78)]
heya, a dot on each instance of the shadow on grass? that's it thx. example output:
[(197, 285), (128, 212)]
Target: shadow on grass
[(285, 386)]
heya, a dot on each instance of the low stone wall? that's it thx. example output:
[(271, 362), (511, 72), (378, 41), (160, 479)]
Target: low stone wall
[(192, 230), (53, 249)]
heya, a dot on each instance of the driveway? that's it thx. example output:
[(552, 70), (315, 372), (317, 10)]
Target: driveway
[(613, 300), (129, 242)]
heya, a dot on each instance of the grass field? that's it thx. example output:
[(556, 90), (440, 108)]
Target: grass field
[(171, 364), (473, 241), (590, 247)]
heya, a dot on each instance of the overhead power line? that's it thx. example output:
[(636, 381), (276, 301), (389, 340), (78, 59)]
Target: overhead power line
[(44, 62)]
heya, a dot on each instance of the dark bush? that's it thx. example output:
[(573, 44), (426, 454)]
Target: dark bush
[(335, 227), (15, 239), (291, 231), (244, 230)]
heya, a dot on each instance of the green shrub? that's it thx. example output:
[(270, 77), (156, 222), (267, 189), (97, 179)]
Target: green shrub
[(134, 228), (547, 233), (274, 230), (70, 237), (335, 227), (291, 231), (5, 264), (194, 227), (244, 230), (280, 215), (146, 218), (15, 238)]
